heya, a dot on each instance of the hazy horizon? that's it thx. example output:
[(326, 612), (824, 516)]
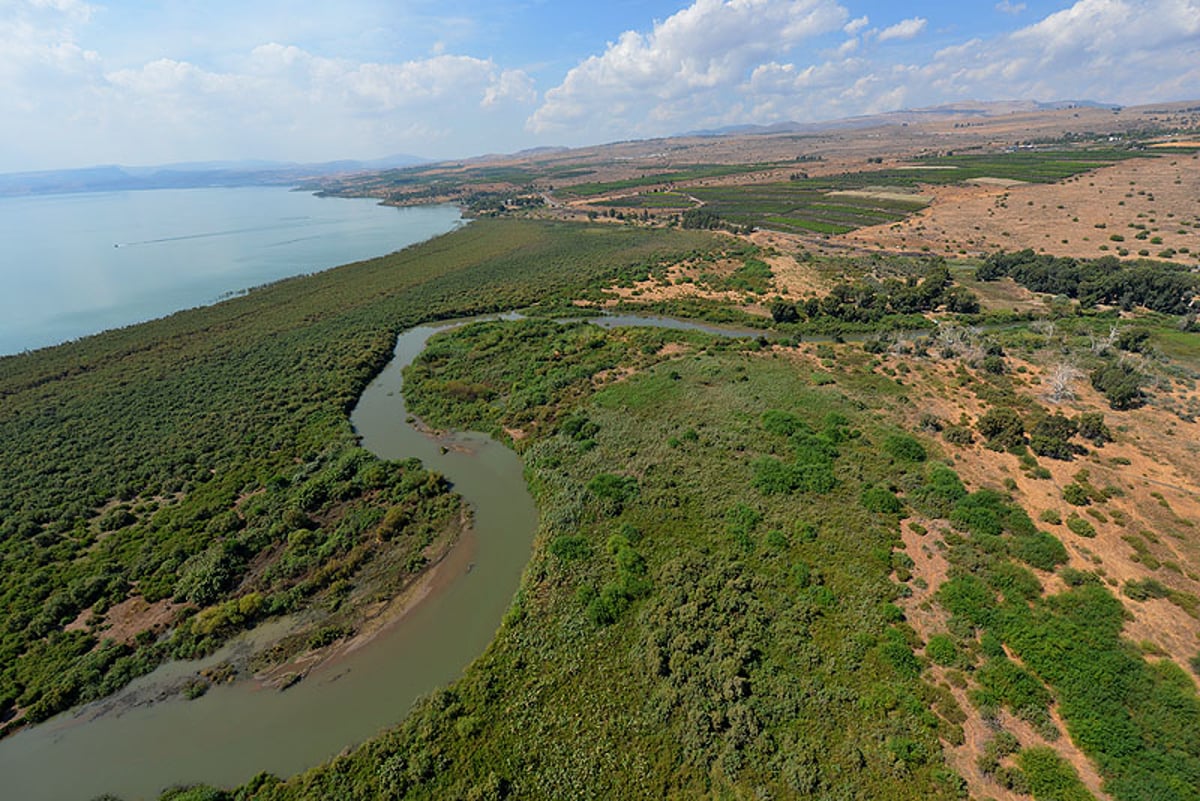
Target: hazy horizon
[(92, 84)]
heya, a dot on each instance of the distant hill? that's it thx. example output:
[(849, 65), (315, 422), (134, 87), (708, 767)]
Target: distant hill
[(963, 109), (188, 175)]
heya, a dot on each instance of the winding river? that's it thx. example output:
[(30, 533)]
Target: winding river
[(134, 749)]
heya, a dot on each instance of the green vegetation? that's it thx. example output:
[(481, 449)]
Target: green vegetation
[(714, 605), (1046, 166), (1160, 286), (1134, 718), (839, 203), (1050, 778), (208, 458), (690, 173), (802, 206), (720, 614)]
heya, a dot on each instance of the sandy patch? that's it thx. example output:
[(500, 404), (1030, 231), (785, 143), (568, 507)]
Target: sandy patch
[(882, 194), (988, 181), (674, 349), (124, 621)]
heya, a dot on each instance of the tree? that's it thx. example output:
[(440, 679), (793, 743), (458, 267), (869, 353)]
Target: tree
[(1092, 427), (1061, 379), (1120, 383), (1051, 436), (1002, 427), (784, 312)]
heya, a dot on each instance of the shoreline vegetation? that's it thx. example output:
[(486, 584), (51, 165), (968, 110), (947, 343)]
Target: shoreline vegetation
[(898, 567), (214, 463)]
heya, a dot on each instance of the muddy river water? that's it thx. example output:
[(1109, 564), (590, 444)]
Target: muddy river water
[(134, 749)]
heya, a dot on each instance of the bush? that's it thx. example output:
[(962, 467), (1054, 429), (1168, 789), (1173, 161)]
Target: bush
[(1080, 526), (1002, 427), (784, 312), (1120, 383), (1092, 428), (942, 650), (1145, 589), (904, 448), (940, 492), (1051, 436), (958, 435), (1076, 495), (1050, 777), (1041, 550), (613, 491), (571, 546), (880, 499)]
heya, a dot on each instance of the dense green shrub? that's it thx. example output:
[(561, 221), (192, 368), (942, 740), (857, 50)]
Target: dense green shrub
[(1080, 526), (1161, 286), (613, 491), (1051, 436), (1076, 494), (570, 547), (942, 649), (1093, 428), (1120, 383), (880, 499), (940, 492), (1002, 427), (1039, 549), (1050, 777), (904, 447)]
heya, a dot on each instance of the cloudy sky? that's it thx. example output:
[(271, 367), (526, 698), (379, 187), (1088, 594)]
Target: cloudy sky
[(140, 82)]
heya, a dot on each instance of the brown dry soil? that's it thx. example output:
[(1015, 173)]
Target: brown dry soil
[(1153, 468), (1075, 217), (1146, 527)]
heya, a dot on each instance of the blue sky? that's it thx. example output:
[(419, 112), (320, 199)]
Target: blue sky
[(155, 82)]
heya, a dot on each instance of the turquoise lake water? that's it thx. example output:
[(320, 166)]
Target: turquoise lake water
[(74, 265)]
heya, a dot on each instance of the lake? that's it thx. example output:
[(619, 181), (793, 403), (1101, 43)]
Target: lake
[(74, 265)]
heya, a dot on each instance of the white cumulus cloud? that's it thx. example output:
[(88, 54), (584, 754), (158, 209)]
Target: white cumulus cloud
[(274, 101), (686, 71), (857, 24), (764, 61), (905, 29), (1123, 51)]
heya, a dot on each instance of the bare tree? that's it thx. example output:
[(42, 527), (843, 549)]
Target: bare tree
[(1104, 344), (1046, 328), (1060, 380)]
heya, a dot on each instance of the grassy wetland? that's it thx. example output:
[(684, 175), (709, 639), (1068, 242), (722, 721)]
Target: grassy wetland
[(953, 558)]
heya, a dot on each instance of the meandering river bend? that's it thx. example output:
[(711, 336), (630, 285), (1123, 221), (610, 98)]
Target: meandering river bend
[(235, 731)]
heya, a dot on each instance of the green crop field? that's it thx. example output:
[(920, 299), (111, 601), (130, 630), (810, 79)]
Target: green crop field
[(824, 205)]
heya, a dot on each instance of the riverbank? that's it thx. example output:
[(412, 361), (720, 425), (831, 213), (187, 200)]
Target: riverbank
[(209, 443)]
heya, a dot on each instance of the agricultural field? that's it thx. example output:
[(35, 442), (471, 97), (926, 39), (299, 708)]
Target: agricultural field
[(840, 203)]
